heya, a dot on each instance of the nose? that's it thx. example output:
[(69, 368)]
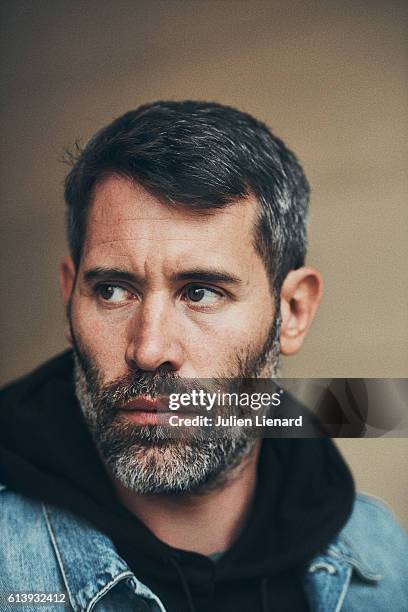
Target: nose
[(154, 337)]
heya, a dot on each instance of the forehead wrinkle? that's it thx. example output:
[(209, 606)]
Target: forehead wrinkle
[(177, 260), (180, 224), (204, 237), (130, 225), (127, 247), (112, 241), (218, 227)]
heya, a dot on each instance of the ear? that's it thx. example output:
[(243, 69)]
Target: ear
[(301, 293), (67, 278)]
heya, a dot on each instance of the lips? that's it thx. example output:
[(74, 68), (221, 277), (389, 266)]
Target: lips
[(146, 404)]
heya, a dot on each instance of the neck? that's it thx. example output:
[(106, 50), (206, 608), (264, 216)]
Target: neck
[(203, 523)]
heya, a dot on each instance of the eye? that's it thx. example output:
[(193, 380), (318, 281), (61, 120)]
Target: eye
[(112, 293), (202, 296)]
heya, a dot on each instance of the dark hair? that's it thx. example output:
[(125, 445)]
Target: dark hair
[(199, 155)]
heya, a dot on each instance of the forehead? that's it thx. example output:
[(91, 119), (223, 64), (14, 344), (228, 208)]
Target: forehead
[(126, 221)]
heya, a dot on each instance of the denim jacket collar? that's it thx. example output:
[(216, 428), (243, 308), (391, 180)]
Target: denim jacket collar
[(342, 549), (78, 545), (329, 574)]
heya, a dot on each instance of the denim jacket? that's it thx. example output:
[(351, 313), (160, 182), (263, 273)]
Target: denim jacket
[(46, 550)]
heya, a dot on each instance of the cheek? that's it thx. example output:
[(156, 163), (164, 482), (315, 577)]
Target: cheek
[(104, 343), (214, 346)]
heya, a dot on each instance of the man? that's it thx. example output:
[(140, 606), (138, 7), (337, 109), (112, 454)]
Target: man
[(187, 234)]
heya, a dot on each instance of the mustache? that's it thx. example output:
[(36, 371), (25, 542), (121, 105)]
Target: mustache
[(157, 385), (142, 383)]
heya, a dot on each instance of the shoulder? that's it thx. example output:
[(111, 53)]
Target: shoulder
[(46, 549), (21, 518), (376, 547), (24, 542), (374, 533), (365, 567)]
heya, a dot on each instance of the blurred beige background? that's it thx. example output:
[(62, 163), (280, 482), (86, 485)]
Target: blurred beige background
[(329, 77)]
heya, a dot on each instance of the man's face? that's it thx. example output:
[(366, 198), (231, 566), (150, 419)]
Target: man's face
[(169, 290), (172, 309)]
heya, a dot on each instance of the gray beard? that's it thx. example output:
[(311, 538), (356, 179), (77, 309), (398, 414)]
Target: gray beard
[(150, 459)]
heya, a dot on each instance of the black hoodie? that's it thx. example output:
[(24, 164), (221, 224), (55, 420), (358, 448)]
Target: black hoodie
[(303, 498)]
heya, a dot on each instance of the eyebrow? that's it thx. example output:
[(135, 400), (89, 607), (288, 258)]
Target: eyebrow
[(195, 274), (210, 276), (105, 274)]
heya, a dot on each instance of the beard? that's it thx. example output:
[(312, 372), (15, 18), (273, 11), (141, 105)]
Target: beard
[(160, 459)]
